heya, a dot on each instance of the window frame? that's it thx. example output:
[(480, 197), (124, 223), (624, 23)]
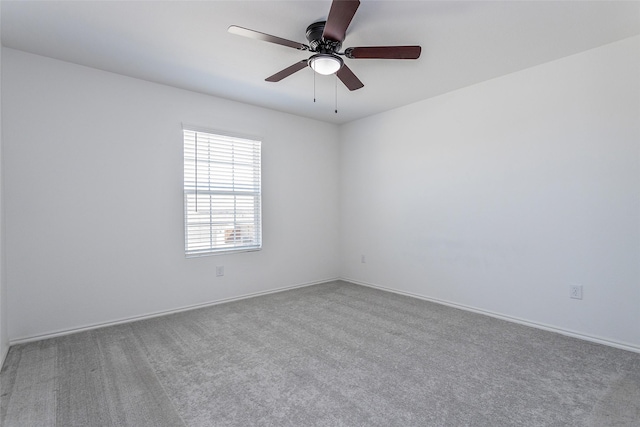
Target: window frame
[(247, 196)]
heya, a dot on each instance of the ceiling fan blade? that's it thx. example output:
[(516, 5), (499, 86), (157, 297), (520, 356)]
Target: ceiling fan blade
[(340, 16), (287, 71), (383, 52), (348, 78), (245, 32)]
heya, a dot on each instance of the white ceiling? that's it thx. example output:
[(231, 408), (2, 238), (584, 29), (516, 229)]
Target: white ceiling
[(186, 44)]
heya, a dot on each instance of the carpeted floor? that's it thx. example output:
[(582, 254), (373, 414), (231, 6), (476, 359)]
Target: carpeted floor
[(334, 354)]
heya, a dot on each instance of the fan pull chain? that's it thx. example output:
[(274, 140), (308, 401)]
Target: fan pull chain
[(196, 153), (336, 93), (314, 86)]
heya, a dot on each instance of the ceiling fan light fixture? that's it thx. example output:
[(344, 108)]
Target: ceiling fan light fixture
[(325, 63)]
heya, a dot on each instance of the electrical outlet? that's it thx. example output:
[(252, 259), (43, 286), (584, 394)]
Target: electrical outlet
[(575, 291), (363, 259), (220, 270)]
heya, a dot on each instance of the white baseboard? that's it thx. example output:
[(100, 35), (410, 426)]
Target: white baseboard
[(562, 331), (69, 331), (3, 356), (574, 334)]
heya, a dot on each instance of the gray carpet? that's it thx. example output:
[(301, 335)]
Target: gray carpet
[(334, 354)]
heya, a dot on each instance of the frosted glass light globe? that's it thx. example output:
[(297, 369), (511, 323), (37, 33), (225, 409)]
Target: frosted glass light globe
[(325, 63)]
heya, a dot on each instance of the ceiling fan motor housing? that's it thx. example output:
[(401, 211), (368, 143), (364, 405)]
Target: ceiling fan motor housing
[(319, 44)]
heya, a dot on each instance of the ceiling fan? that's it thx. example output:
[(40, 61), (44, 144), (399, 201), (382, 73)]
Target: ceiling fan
[(325, 40)]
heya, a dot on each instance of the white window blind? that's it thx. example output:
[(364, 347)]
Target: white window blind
[(222, 194)]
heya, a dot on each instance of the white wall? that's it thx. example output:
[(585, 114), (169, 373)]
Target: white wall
[(93, 200), (4, 339), (500, 195)]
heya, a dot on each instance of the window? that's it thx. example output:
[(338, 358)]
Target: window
[(222, 195)]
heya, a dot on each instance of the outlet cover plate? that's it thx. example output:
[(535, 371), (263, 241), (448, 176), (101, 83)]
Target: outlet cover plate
[(575, 291)]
